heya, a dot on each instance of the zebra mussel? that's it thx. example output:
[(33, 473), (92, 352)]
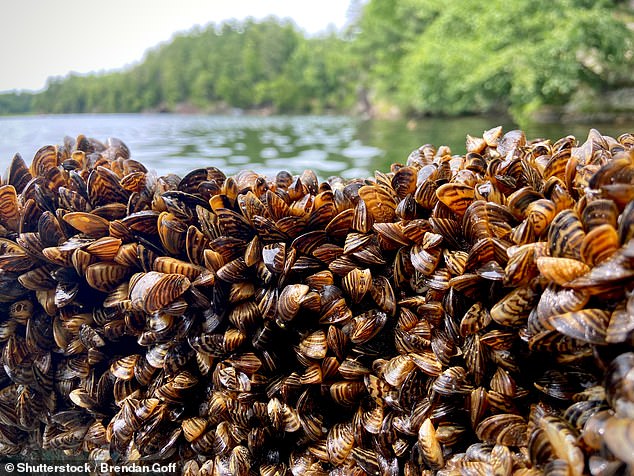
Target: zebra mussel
[(454, 315)]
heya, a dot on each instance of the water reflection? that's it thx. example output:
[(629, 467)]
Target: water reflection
[(331, 145)]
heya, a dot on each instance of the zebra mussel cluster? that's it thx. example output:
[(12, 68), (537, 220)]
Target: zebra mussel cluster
[(456, 315)]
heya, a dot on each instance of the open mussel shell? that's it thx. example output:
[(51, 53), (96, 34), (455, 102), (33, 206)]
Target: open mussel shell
[(274, 257)]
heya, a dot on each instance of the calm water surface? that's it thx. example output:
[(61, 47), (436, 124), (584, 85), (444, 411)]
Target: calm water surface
[(331, 145)]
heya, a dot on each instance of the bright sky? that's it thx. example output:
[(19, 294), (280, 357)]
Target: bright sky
[(42, 38)]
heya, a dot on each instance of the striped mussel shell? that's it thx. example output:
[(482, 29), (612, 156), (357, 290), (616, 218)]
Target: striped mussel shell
[(380, 202), (357, 283), (172, 232), (154, 290), (104, 187), (89, 224), (290, 301), (106, 275)]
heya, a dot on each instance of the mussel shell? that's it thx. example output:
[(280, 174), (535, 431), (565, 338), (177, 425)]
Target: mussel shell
[(274, 257), (106, 276), (365, 326), (621, 325), (397, 369), (172, 232), (314, 345), (565, 235), (456, 196), (554, 300), (505, 429), (104, 188), (9, 209), (430, 447), (341, 224), (124, 368), (561, 270), (513, 309), (618, 436), (18, 174), (379, 201), (587, 325), (234, 271), (424, 260), (290, 300), (153, 290), (599, 244), (168, 264), (145, 222), (339, 442), (357, 283)]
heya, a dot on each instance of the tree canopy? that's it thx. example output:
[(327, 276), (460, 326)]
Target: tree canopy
[(422, 56), (480, 56)]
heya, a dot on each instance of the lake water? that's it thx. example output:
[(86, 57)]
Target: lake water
[(330, 145)]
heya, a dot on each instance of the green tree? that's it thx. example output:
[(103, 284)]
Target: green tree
[(384, 33), (425, 56), (476, 57)]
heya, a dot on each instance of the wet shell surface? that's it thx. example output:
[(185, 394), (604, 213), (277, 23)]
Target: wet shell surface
[(452, 315)]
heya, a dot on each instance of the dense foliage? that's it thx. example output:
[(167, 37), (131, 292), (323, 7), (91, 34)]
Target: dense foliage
[(421, 56), (475, 56)]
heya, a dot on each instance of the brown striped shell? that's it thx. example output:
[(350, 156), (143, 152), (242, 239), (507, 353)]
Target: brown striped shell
[(153, 290)]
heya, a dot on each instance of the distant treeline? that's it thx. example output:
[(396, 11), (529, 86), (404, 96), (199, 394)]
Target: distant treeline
[(416, 57)]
